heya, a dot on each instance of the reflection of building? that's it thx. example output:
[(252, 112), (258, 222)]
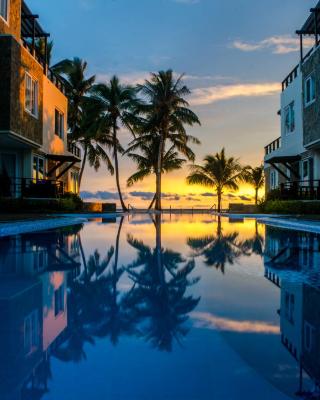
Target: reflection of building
[(292, 161), (33, 293), (292, 264), (36, 159)]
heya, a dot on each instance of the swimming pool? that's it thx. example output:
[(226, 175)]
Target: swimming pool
[(146, 307)]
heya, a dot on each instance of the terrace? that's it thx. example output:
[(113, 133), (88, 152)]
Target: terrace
[(31, 31)]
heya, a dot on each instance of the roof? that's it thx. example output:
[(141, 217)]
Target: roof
[(278, 159), (309, 26), (27, 19)]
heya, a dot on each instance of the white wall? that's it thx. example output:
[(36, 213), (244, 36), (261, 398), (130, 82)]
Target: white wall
[(292, 143)]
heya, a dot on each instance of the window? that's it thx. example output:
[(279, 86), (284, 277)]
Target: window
[(309, 90), (38, 168), (59, 124), (74, 182), (59, 300), (305, 169), (309, 332), (31, 332), (31, 95), (289, 307), (273, 180), (289, 118), (4, 9)]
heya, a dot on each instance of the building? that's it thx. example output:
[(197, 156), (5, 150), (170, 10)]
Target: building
[(292, 264), (292, 161), (36, 159), (34, 273)]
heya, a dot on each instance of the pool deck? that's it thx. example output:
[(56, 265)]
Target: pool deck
[(25, 226)]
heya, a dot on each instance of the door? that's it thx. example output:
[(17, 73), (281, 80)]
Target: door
[(8, 170)]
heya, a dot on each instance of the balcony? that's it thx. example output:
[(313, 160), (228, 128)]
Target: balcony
[(290, 78), (273, 146), (30, 188), (300, 190), (75, 150)]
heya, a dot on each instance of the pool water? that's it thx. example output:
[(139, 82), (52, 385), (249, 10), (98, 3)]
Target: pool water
[(174, 307)]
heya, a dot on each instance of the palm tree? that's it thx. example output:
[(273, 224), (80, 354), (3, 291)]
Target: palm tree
[(255, 177), (119, 104), (148, 158), (73, 72), (40, 45), (218, 172), (166, 114), (219, 249), (92, 135)]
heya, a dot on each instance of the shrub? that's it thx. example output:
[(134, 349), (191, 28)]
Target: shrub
[(291, 207)]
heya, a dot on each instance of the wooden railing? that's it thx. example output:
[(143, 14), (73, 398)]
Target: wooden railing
[(271, 147), (30, 188), (300, 190), (75, 150)]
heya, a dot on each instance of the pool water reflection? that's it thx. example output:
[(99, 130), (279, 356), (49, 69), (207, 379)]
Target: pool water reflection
[(171, 307)]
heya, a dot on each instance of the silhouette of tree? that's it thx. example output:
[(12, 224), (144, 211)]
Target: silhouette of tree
[(219, 249), (161, 278)]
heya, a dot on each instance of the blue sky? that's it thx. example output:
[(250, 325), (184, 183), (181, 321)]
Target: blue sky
[(234, 54)]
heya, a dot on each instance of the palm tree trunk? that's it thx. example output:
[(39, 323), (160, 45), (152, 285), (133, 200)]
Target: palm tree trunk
[(116, 166), (159, 174), (219, 200), (256, 198), (153, 201), (84, 160)]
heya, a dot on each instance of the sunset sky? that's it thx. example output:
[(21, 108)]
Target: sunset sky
[(234, 53)]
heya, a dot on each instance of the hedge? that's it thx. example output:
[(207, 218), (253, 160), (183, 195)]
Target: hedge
[(291, 207)]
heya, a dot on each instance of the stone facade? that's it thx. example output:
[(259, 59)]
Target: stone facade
[(311, 114), (13, 116), (12, 26)]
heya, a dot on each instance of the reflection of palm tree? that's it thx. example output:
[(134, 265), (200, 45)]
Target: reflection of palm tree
[(218, 249), (161, 278), (255, 245)]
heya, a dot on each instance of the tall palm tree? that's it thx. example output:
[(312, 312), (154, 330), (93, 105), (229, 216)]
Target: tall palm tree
[(147, 159), (166, 114), (218, 172), (119, 104), (255, 177), (78, 85), (93, 136)]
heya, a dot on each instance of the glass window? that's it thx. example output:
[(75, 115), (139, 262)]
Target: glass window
[(38, 168), (289, 118), (59, 300), (31, 95), (305, 169), (308, 336), (4, 9), (59, 124), (31, 332), (309, 90)]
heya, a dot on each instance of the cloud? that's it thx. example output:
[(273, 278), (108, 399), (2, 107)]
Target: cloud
[(142, 195), (245, 198), (85, 195), (211, 321), (282, 44), (208, 194), (212, 94)]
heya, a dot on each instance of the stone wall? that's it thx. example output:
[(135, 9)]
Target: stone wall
[(311, 114), (13, 25), (13, 116)]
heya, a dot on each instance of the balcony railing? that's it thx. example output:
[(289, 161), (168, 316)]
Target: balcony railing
[(290, 78), (75, 150), (30, 188), (275, 145), (300, 190), (54, 78)]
